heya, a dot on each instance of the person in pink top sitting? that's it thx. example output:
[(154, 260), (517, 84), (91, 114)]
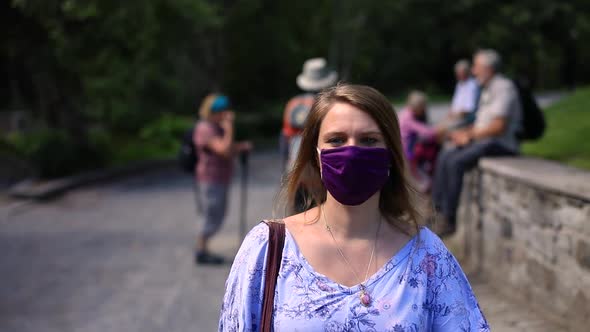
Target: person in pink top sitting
[(216, 149), (420, 141)]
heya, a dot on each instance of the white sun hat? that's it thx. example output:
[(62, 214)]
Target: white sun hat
[(316, 75)]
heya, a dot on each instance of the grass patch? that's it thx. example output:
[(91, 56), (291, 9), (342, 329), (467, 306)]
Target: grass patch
[(568, 131)]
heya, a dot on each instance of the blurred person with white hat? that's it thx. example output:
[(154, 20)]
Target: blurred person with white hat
[(316, 75)]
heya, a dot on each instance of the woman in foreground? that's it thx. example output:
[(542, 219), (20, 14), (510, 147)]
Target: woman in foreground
[(360, 259)]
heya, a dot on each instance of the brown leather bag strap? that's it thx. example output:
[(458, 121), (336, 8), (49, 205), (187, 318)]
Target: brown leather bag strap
[(276, 242)]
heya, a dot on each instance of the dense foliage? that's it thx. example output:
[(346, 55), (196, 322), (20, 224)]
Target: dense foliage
[(121, 65)]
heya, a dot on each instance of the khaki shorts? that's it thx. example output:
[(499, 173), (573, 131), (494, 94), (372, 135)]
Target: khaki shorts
[(211, 204)]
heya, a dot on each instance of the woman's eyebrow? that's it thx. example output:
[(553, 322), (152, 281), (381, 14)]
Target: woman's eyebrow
[(342, 133), (335, 133), (372, 132)]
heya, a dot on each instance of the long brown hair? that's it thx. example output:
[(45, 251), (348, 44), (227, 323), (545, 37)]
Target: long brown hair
[(397, 202)]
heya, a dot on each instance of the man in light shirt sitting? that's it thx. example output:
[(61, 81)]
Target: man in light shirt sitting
[(464, 102), (494, 133)]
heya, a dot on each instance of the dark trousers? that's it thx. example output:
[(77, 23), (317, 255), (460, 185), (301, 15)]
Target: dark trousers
[(451, 165)]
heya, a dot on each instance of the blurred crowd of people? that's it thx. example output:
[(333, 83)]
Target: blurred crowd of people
[(350, 164), (483, 120)]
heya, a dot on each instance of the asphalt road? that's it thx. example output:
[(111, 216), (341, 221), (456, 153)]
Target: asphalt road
[(118, 257)]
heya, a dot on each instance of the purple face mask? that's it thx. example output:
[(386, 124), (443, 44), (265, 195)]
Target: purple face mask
[(353, 174)]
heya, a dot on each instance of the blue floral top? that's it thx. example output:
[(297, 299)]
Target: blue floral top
[(421, 288)]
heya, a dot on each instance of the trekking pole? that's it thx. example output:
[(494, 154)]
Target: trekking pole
[(243, 194)]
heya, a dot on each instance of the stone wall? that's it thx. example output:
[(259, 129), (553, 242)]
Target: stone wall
[(524, 225)]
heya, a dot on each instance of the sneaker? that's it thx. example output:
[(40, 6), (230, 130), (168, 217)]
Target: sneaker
[(204, 257)]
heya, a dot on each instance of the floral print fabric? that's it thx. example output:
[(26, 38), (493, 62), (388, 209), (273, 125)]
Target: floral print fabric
[(421, 288)]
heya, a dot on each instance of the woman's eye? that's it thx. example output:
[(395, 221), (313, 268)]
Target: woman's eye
[(335, 140), (369, 141)]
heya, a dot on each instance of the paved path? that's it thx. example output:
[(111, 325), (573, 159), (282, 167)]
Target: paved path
[(118, 257), (509, 315)]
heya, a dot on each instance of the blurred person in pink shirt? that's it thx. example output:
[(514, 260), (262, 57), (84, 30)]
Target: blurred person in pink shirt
[(420, 140), (216, 149)]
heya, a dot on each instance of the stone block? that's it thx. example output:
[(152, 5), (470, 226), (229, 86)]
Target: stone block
[(506, 205), (509, 186), (580, 312), (543, 278), (541, 207), (573, 216), (519, 255), (585, 217), (583, 254), (542, 241), (506, 228), (564, 243), (565, 253), (522, 195)]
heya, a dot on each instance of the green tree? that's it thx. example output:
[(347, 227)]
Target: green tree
[(111, 61)]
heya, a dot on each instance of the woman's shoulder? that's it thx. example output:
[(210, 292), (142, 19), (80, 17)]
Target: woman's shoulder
[(430, 244), (252, 252), (298, 223), (429, 236), (258, 235)]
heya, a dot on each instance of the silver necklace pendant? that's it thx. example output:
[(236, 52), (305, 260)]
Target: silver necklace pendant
[(365, 297)]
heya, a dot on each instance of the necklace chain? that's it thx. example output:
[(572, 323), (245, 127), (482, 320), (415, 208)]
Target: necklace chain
[(344, 257)]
